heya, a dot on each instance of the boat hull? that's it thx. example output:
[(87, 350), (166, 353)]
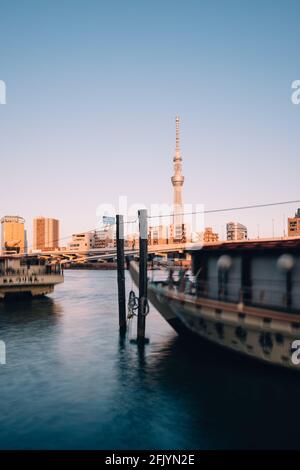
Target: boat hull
[(261, 334), (14, 287), (268, 338)]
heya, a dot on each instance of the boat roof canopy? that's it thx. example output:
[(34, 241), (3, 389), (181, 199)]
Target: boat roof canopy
[(277, 245)]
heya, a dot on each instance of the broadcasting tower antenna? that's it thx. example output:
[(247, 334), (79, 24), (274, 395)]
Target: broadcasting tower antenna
[(177, 182)]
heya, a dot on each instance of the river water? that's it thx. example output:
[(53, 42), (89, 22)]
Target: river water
[(70, 383)]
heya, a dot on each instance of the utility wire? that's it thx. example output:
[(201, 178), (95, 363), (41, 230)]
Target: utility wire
[(227, 209)]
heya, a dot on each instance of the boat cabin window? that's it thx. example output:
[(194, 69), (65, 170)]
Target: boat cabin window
[(223, 278)]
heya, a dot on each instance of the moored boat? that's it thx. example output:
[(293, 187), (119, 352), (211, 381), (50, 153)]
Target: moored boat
[(244, 296), (31, 276)]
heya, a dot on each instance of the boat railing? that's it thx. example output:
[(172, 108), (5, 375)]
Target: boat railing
[(272, 294)]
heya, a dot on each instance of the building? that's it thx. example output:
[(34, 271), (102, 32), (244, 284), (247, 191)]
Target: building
[(25, 242), (236, 231), (179, 233), (132, 241), (45, 233), (81, 242), (88, 241), (209, 236), (158, 235), (13, 234), (177, 182), (294, 225), (105, 238)]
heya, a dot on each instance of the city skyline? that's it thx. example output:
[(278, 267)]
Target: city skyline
[(77, 135), (46, 234)]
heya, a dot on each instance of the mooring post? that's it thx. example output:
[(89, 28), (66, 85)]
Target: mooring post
[(141, 321), (121, 274)]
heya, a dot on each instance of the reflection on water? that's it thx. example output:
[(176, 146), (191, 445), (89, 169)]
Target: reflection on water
[(27, 310), (71, 382)]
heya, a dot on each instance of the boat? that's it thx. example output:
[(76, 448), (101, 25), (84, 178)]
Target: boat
[(27, 276), (244, 296)]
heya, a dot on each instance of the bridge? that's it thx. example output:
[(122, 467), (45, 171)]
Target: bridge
[(99, 254)]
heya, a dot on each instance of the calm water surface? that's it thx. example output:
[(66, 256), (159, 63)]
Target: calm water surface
[(70, 383)]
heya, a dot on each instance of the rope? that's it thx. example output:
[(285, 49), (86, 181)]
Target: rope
[(133, 304), (145, 306)]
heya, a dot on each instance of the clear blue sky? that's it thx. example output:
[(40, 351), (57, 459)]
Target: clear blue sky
[(93, 88)]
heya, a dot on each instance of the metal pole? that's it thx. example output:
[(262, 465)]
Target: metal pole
[(141, 321), (121, 274)]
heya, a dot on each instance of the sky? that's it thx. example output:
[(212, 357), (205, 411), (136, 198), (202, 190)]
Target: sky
[(93, 89)]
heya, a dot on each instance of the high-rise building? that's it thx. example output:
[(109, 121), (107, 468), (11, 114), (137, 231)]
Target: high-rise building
[(236, 231), (294, 225), (45, 233), (177, 182), (13, 233), (25, 242)]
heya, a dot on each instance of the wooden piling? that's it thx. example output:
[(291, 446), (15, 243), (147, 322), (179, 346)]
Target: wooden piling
[(121, 274), (143, 252)]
